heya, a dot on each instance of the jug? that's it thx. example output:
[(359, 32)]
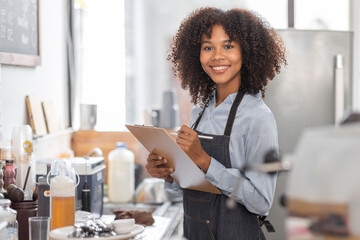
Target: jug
[(62, 194), (121, 178)]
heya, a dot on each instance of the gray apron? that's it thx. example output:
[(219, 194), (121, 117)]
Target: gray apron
[(206, 215)]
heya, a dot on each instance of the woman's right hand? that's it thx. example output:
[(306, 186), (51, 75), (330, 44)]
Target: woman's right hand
[(156, 167)]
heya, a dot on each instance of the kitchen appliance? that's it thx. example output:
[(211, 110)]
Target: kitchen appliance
[(93, 169), (304, 94)]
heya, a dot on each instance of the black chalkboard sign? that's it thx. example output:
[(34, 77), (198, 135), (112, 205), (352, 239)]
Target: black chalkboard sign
[(19, 32)]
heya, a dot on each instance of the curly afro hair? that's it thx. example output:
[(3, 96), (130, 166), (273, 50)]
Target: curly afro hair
[(262, 49)]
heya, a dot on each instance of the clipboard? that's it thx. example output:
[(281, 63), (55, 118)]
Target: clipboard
[(186, 173)]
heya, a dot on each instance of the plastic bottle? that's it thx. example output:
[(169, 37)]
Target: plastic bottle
[(121, 179), (8, 216), (62, 200)]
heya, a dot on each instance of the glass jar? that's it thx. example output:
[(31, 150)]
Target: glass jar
[(8, 217)]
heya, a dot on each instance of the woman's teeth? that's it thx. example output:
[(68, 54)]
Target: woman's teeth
[(220, 68)]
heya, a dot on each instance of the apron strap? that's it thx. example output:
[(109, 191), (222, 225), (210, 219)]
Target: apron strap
[(267, 223), (232, 114), (231, 117), (196, 123)]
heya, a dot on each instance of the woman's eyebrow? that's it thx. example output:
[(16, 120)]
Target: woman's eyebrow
[(209, 42), (203, 42)]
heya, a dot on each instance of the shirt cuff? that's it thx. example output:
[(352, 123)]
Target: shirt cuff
[(214, 171), (173, 186)]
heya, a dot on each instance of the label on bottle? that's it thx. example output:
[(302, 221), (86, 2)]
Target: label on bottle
[(47, 193)]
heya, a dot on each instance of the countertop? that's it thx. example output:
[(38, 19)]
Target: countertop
[(168, 218)]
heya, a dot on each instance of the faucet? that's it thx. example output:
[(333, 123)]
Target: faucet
[(95, 151)]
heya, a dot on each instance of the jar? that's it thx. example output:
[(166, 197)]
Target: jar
[(8, 215), (25, 209)]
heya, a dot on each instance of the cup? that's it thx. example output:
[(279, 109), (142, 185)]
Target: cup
[(88, 116), (39, 228)]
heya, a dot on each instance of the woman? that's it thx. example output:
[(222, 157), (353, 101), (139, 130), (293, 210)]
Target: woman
[(225, 60)]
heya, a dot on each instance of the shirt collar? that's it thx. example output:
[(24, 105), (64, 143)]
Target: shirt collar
[(231, 98)]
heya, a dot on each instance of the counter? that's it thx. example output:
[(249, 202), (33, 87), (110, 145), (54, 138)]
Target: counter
[(168, 218)]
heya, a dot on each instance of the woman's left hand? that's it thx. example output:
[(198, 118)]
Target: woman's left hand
[(189, 142)]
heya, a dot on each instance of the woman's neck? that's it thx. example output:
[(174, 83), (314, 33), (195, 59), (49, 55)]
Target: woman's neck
[(223, 93)]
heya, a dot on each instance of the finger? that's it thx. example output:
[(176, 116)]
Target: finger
[(161, 172), (182, 142), (157, 163), (182, 135), (187, 130), (154, 156)]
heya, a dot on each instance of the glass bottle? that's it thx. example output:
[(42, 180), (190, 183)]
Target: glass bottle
[(9, 173), (8, 216)]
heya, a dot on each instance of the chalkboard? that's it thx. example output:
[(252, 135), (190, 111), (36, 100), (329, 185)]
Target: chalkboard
[(19, 32)]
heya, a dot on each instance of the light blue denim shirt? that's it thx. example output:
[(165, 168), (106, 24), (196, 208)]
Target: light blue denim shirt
[(254, 133)]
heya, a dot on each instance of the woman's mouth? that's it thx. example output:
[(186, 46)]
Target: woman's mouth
[(219, 69)]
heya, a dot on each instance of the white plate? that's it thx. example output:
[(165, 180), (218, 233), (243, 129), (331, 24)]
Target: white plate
[(62, 233)]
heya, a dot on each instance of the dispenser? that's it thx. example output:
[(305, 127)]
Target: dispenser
[(62, 200)]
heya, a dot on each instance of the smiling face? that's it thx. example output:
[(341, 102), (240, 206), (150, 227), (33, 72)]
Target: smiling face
[(221, 59)]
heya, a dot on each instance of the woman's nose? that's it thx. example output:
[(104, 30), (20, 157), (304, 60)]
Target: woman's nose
[(218, 54)]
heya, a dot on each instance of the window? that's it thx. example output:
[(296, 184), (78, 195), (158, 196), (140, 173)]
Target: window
[(103, 61)]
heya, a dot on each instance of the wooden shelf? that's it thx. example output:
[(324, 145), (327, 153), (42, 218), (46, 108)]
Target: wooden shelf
[(48, 136)]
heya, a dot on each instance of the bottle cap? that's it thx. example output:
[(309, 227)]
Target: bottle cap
[(121, 145)]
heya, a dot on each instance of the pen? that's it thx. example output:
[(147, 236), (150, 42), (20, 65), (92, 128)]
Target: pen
[(200, 136)]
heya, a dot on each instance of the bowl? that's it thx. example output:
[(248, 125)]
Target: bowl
[(122, 226)]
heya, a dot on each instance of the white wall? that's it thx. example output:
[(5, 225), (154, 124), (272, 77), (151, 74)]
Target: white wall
[(48, 81), (355, 26)]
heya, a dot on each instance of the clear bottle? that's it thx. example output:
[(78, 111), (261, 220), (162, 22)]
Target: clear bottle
[(62, 200), (121, 176), (8, 216)]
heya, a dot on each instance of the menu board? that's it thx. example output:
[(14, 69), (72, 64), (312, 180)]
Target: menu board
[(19, 32)]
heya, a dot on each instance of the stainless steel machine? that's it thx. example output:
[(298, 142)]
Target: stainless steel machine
[(313, 90)]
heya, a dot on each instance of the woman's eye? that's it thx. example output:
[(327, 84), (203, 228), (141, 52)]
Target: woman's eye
[(229, 46), (207, 48)]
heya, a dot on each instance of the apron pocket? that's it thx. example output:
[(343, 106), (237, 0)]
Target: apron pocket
[(195, 228)]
